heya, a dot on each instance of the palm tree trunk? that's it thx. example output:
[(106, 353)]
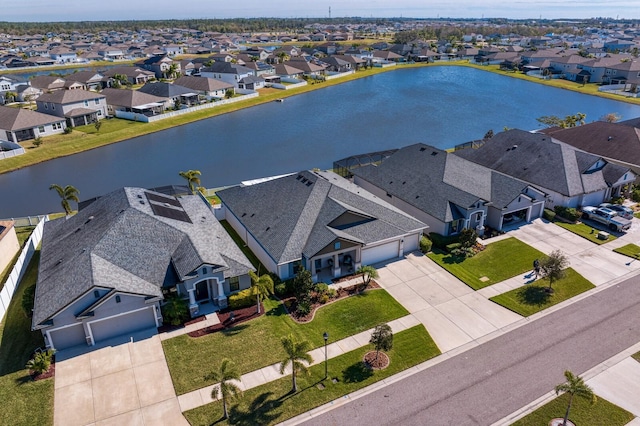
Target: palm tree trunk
[(258, 300), (293, 378), (566, 415), (224, 408)]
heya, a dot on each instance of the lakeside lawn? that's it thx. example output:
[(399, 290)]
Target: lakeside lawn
[(582, 413), (499, 261), (273, 403), (585, 231), (631, 250), (190, 359), (533, 298), (25, 402)]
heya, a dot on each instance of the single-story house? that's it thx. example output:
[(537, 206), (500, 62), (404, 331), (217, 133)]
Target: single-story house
[(210, 88), (9, 245), (568, 176), (173, 93), (449, 193), (319, 221), (133, 101), (18, 124), (105, 272)]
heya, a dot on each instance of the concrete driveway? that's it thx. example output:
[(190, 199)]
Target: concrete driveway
[(123, 384)]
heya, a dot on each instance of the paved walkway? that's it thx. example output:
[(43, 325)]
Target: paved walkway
[(210, 319)]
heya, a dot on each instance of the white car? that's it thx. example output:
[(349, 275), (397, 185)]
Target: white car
[(622, 211)]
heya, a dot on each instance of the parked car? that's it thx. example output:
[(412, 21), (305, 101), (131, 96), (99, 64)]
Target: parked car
[(623, 211), (607, 217)]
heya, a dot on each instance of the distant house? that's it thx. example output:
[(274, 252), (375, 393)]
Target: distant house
[(227, 72), (309, 69), (210, 88), (47, 83), (568, 176), (161, 65), (105, 271), (63, 55), (9, 245), (251, 83), (89, 79), (133, 101), (79, 107), (134, 75), (318, 221), (175, 94), (17, 124)]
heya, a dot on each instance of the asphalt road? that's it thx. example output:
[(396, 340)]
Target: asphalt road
[(493, 380)]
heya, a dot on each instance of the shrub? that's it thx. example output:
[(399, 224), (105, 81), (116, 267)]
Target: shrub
[(549, 214), (303, 308), (67, 130), (425, 244), (322, 288), (463, 251), (441, 241), (468, 238), (241, 299), (635, 195), (41, 361), (27, 300), (324, 298), (332, 293), (175, 310), (568, 213), (617, 200), (280, 289), (453, 246), (37, 141)]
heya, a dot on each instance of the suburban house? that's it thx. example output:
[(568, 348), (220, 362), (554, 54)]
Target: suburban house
[(251, 83), (63, 55), (9, 245), (210, 88), (133, 101), (18, 124), (449, 193), (162, 66), (319, 221), (105, 271), (79, 107), (175, 94), (568, 176), (47, 83), (134, 75), (227, 72), (91, 80)]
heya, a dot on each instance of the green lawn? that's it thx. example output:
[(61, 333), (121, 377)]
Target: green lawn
[(24, 402), (585, 231), (602, 413), (636, 356), (190, 359), (273, 403), (499, 261), (532, 298), (630, 250)]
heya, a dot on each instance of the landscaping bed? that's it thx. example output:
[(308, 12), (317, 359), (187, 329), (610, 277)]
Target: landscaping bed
[(230, 318)]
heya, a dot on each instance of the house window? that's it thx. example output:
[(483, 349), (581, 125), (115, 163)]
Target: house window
[(86, 103), (118, 298), (41, 129), (57, 126), (99, 113), (46, 105), (97, 101), (234, 284), (6, 87), (336, 245)]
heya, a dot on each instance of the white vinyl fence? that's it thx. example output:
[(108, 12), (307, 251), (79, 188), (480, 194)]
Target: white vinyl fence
[(20, 268)]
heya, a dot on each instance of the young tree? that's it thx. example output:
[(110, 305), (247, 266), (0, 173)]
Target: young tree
[(261, 287), (368, 273), (296, 353), (193, 179), (612, 117), (97, 125), (552, 267), (302, 286), (68, 193), (381, 338), (226, 389), (575, 386), (175, 310)]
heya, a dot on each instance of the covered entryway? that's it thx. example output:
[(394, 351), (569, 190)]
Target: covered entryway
[(122, 324), (202, 291), (67, 337), (372, 255)]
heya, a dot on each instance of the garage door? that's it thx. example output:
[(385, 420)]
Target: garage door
[(592, 199), (371, 255), (67, 337), (123, 324)]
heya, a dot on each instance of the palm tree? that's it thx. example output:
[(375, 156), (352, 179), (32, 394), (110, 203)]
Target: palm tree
[(261, 286), (368, 273), (296, 352), (575, 386), (226, 389), (193, 179), (68, 193)]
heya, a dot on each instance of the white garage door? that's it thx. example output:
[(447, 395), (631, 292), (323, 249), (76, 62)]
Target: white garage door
[(67, 337), (371, 255), (123, 324), (592, 199)]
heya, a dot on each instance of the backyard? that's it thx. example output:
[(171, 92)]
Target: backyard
[(259, 340), (497, 262)]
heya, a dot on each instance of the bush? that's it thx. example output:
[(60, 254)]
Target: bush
[(67, 130), (453, 246), (303, 308), (468, 238), (37, 141), (441, 241), (617, 200), (241, 299), (175, 310), (425, 244), (41, 361), (322, 288), (635, 195), (332, 293), (568, 213), (324, 298), (549, 214), (27, 300), (280, 289)]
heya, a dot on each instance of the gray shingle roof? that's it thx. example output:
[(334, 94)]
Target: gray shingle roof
[(118, 242), (18, 118), (165, 90), (203, 84), (69, 96), (291, 215), (129, 98)]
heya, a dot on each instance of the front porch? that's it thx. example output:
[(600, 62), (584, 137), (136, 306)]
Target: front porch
[(206, 296), (327, 267)]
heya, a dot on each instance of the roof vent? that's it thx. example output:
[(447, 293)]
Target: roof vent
[(610, 138), (423, 149), (434, 153), (142, 202), (268, 227), (515, 146)]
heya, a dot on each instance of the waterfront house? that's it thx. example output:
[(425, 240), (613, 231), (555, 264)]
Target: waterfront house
[(227, 72), (210, 88), (133, 102), (79, 107), (319, 221), (47, 83), (91, 80), (161, 65), (105, 271), (175, 94), (449, 193), (17, 124)]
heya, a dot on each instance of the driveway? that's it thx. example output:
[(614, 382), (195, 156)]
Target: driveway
[(119, 384)]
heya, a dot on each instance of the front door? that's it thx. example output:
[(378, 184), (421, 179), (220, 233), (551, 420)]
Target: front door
[(202, 291)]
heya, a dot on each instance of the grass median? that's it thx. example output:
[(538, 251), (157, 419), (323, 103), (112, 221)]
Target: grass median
[(497, 262), (256, 344), (585, 231), (273, 402)]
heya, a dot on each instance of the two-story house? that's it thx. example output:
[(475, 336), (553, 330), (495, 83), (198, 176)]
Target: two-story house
[(79, 107)]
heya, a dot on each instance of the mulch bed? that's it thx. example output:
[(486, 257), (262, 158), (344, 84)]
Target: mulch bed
[(381, 363), (50, 373), (226, 321)]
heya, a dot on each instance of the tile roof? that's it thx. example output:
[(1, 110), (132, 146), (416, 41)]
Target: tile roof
[(119, 242)]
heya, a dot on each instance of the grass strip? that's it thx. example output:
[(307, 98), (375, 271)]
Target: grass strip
[(630, 250), (585, 231)]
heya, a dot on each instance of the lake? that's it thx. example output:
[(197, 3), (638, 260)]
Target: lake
[(440, 106)]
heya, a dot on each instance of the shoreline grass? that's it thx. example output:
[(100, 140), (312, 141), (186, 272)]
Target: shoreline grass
[(58, 146)]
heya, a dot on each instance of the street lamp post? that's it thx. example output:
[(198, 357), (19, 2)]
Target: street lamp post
[(326, 337)]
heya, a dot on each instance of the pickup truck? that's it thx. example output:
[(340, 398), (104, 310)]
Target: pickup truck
[(606, 216)]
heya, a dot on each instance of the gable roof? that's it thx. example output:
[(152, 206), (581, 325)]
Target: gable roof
[(203, 84), (165, 90), (543, 161), (18, 118), (295, 212), (131, 241), (129, 98), (63, 97), (227, 68)]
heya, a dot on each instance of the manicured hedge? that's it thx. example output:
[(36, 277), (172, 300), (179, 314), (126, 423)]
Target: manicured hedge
[(441, 241), (568, 213), (241, 299), (425, 244), (549, 214)]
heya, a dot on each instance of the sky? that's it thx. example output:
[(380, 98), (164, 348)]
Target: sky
[(93, 10)]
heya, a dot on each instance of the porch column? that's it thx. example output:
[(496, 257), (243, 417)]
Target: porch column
[(401, 247), (193, 305), (357, 262), (222, 299), (336, 266)]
